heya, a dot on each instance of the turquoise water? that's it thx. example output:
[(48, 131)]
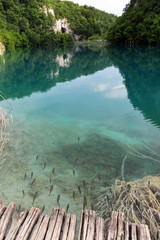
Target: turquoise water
[(79, 111)]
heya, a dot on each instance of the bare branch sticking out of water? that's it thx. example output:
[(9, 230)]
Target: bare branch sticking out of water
[(122, 168), (138, 154)]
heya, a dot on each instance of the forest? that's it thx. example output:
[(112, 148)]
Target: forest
[(23, 23), (139, 24)]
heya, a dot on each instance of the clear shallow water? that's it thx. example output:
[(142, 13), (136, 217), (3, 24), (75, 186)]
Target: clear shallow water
[(79, 111)]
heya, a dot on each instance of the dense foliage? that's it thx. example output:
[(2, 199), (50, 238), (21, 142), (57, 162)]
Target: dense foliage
[(25, 23), (139, 24), (85, 21)]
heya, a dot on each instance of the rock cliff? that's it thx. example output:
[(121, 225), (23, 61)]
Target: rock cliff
[(2, 49)]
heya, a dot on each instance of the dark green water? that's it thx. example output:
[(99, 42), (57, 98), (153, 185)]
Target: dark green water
[(80, 111)]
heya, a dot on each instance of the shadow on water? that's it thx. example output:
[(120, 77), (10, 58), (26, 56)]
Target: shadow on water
[(139, 67)]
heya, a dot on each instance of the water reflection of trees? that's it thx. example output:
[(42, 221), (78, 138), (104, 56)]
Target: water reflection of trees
[(23, 72), (139, 67)]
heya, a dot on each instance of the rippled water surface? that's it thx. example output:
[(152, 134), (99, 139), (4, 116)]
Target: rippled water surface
[(77, 114)]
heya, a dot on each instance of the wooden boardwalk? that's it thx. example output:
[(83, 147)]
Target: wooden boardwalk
[(34, 225)]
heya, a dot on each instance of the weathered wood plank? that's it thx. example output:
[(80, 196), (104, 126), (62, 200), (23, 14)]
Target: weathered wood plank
[(72, 229), (143, 232), (81, 226), (99, 229), (66, 226), (57, 229), (112, 226), (69, 229), (2, 209), (41, 228), (16, 223), (120, 232), (6, 218), (28, 224), (133, 231), (52, 223), (85, 225), (91, 225), (126, 231)]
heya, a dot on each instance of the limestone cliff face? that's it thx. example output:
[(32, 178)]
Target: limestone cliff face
[(2, 49), (49, 10), (62, 25)]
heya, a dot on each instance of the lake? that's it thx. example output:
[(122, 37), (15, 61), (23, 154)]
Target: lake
[(78, 119)]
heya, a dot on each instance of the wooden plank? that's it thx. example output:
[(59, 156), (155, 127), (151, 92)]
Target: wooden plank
[(72, 228), (126, 231), (41, 228), (28, 224), (6, 218), (120, 232), (81, 225), (99, 229), (52, 223), (133, 231), (158, 234), (112, 226), (16, 223), (2, 209), (66, 226), (57, 229), (85, 225), (143, 232), (91, 225)]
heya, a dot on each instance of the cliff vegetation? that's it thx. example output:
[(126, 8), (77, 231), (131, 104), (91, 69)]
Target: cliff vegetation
[(139, 24), (31, 22)]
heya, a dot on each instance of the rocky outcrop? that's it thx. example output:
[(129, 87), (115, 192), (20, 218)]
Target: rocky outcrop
[(48, 10), (62, 25), (2, 49)]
